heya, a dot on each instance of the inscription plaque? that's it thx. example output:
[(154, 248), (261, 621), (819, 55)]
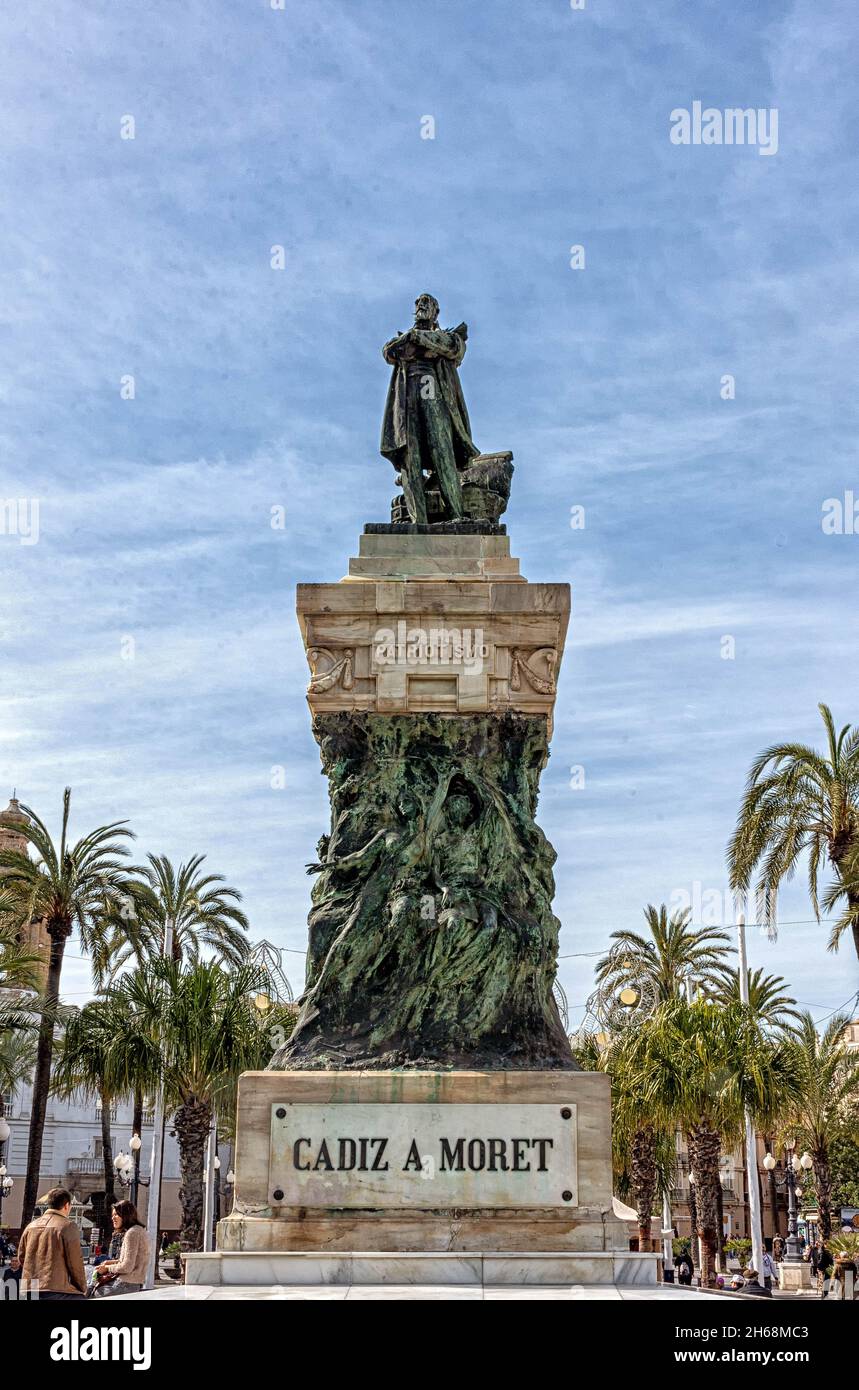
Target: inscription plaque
[(433, 1156)]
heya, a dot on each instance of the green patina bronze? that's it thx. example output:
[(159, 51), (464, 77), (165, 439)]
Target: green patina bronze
[(432, 937), (426, 432)]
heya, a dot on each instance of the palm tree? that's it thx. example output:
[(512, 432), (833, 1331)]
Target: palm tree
[(767, 1000), (193, 1024), (203, 910), (796, 801), (85, 1065), (828, 1091), (672, 950), (642, 1152), (131, 932), (697, 1066), (66, 886), (660, 963)]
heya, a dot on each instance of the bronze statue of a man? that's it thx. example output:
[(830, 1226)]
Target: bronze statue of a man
[(426, 430)]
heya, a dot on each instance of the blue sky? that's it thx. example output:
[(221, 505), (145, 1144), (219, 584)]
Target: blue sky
[(257, 388)]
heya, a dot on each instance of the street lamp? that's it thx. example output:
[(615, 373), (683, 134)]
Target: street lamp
[(6, 1185), (135, 1143), (128, 1171), (793, 1244), (5, 1131), (787, 1179)]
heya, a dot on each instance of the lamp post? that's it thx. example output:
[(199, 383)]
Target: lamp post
[(793, 1245), (6, 1185), (135, 1144), (786, 1180), (127, 1166), (153, 1210), (748, 1124)]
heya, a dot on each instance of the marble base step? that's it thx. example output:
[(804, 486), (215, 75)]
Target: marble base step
[(479, 1269), (434, 557)]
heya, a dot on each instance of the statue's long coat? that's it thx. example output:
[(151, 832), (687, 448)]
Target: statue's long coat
[(451, 349)]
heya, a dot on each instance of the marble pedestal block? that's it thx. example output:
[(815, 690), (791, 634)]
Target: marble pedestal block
[(794, 1277), (434, 622), (566, 1209)]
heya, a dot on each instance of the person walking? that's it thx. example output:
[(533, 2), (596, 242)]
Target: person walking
[(821, 1265), (685, 1267), (778, 1249), (50, 1251), (770, 1271), (127, 1272)]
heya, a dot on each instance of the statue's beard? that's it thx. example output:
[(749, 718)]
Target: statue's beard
[(423, 322)]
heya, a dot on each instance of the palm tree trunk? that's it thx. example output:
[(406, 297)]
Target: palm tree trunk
[(58, 933), (823, 1183), (643, 1175), (109, 1175), (720, 1228), (192, 1122), (704, 1157), (694, 1243)]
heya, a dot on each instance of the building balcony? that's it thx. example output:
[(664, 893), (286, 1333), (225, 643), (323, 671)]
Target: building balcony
[(89, 1165)]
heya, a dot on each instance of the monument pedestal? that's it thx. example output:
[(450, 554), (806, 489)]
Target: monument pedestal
[(423, 1177)]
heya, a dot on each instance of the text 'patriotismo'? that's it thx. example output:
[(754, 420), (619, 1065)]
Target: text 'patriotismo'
[(423, 1155)]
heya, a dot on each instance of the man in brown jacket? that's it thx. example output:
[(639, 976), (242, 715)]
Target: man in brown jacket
[(50, 1251)]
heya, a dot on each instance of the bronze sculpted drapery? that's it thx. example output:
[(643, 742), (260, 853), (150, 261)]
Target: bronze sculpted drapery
[(432, 937)]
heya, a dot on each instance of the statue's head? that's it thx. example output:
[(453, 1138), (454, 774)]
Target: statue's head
[(426, 311)]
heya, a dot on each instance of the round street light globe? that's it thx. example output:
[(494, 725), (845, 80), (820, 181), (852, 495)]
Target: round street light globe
[(135, 1142), (120, 1161), (769, 1163), (231, 1177), (798, 1193), (807, 1161), (5, 1131), (217, 1162)]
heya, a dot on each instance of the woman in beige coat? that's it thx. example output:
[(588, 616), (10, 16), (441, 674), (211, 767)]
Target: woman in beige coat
[(129, 1270)]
